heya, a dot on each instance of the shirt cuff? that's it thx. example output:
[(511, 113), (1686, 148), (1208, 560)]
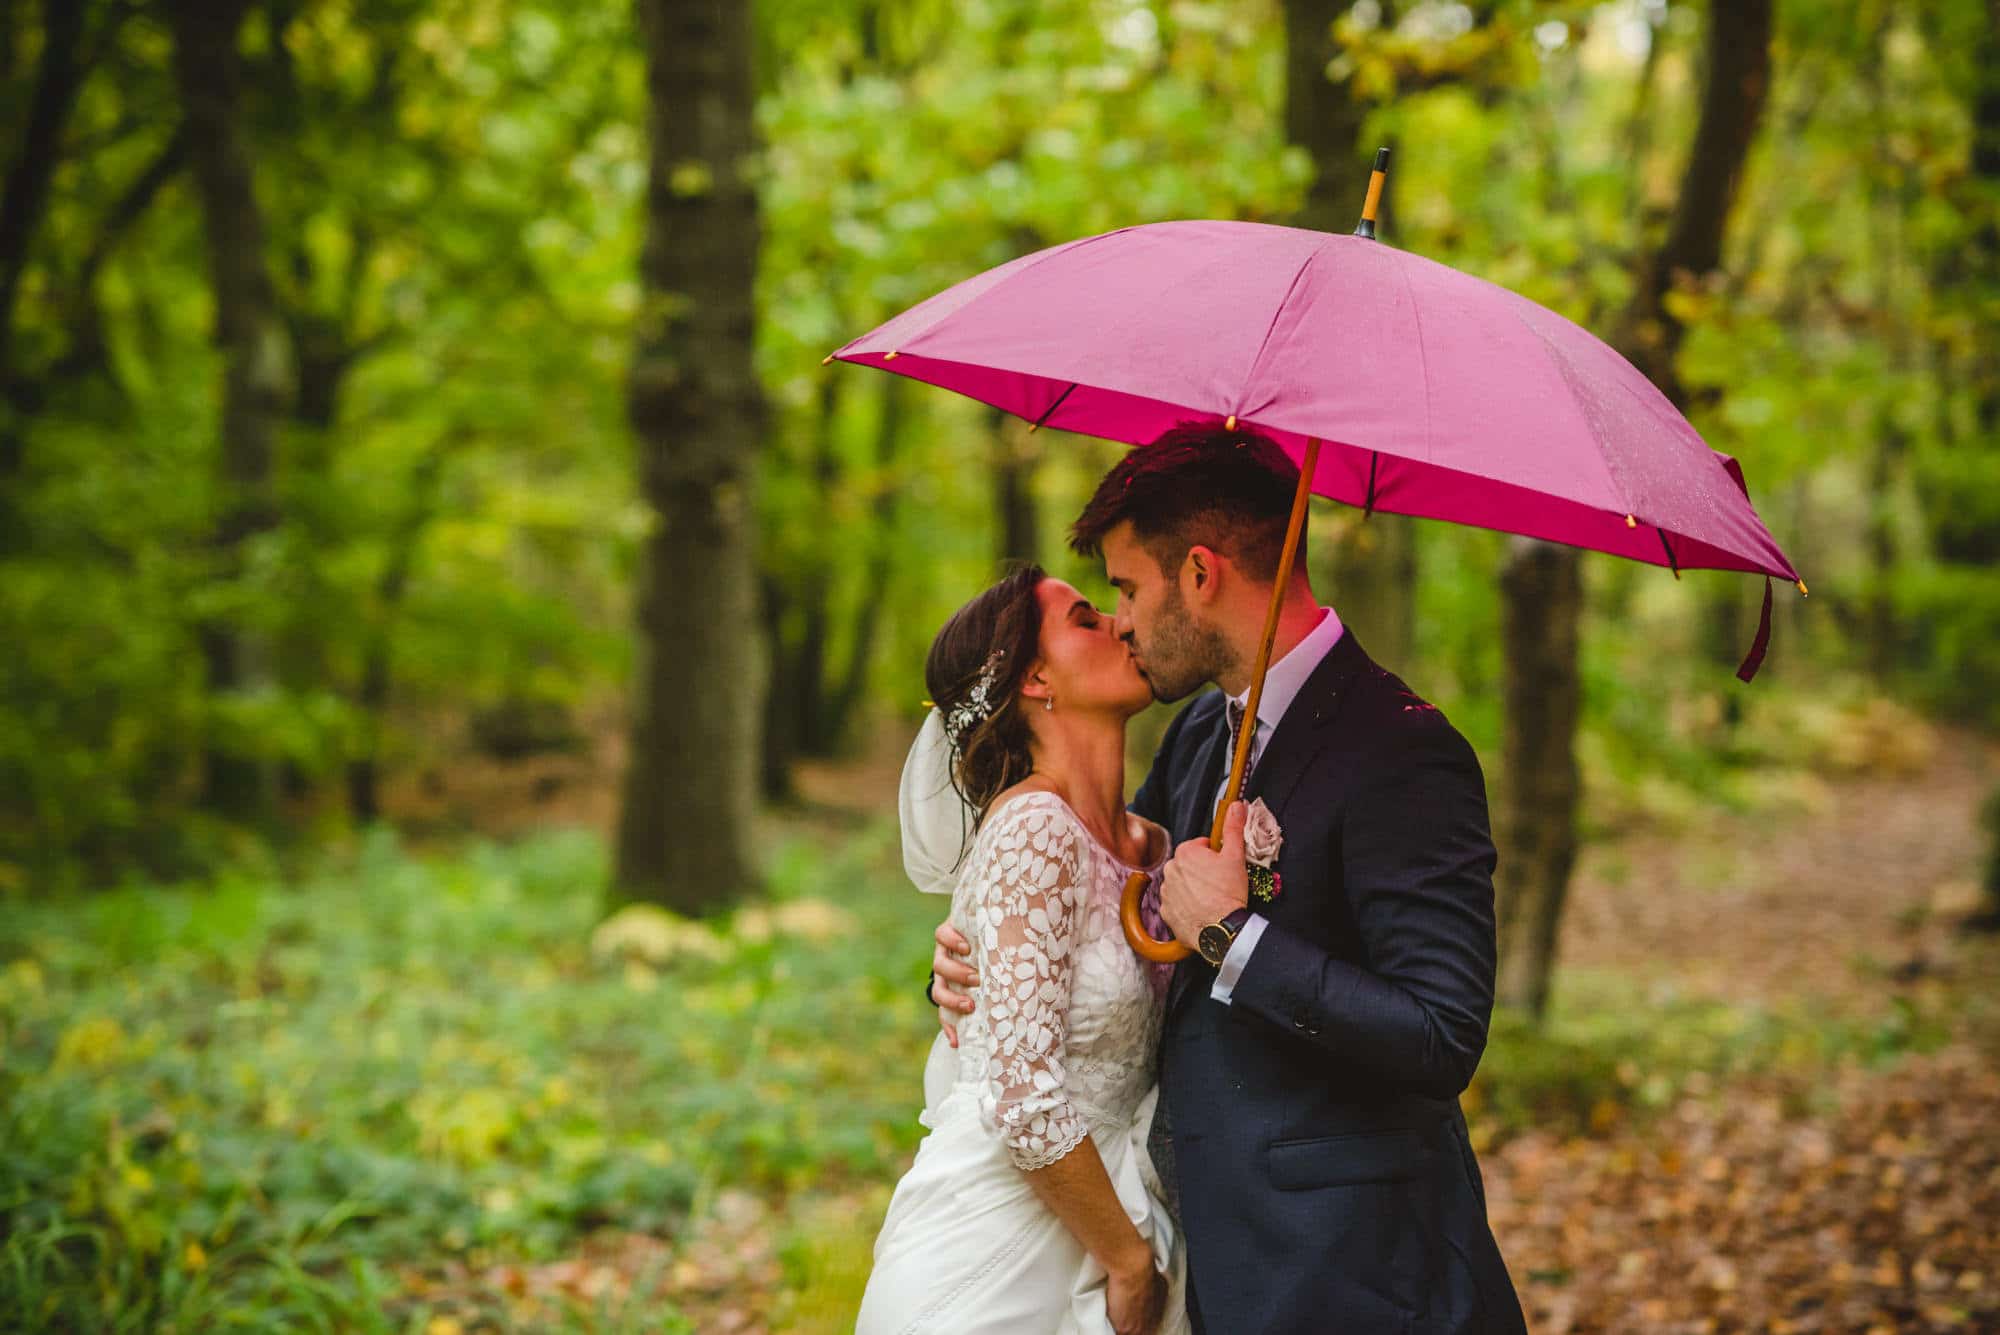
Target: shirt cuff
[(1238, 956)]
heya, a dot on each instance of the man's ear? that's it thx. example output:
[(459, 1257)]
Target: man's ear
[(1199, 569)]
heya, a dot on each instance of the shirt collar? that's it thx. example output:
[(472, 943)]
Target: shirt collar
[(1287, 677)]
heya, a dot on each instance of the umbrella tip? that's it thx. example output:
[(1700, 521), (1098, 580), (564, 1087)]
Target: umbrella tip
[(1369, 208), (826, 360), (1630, 522), (1803, 593), (888, 356), (1230, 425)]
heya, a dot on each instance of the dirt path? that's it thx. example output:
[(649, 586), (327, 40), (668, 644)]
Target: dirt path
[(1876, 1207), (1769, 908)]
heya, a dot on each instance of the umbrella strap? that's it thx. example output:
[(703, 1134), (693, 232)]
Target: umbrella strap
[(1755, 658)]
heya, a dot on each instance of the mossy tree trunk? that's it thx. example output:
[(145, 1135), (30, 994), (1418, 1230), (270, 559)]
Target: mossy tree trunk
[(208, 71), (1541, 591), (684, 831)]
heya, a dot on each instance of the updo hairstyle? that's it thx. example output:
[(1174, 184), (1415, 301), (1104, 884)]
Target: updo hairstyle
[(1000, 632)]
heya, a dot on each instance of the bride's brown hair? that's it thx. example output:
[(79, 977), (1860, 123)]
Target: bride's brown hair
[(999, 631)]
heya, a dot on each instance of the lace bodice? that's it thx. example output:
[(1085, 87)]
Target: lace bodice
[(1061, 1038)]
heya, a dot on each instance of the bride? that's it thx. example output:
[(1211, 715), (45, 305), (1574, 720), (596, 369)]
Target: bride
[(1032, 1205)]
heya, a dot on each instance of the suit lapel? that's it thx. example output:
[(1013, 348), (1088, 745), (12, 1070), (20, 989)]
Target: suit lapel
[(1300, 736), (1302, 731), (1194, 804), (1194, 816)]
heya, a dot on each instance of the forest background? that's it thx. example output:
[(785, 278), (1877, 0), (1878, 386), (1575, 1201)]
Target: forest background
[(457, 641)]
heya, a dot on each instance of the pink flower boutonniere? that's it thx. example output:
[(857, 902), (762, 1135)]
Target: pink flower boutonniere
[(1261, 841)]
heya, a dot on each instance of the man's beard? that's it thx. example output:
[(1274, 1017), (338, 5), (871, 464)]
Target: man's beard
[(1184, 655)]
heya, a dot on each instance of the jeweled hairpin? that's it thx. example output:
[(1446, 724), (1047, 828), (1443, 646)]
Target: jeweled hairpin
[(978, 703)]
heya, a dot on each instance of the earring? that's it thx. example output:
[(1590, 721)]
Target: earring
[(1048, 702)]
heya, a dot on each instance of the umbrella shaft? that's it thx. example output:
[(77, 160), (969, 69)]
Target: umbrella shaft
[(1294, 529)]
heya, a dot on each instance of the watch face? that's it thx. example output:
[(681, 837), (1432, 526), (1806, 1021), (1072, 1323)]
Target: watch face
[(1214, 943)]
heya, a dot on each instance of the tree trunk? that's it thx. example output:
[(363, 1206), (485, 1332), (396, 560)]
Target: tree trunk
[(209, 73), (1017, 523), (846, 695), (806, 696), (690, 788), (1541, 593), (24, 198), (377, 676), (1738, 50), (1323, 118), (1371, 573), (1542, 697), (1372, 583), (1983, 254), (779, 745)]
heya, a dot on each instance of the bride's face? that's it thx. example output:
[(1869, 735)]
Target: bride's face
[(1084, 664)]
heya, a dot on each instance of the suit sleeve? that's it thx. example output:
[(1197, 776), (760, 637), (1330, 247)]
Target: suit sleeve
[(1417, 865)]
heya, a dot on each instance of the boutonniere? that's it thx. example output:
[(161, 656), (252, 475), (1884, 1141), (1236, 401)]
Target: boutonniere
[(1261, 841)]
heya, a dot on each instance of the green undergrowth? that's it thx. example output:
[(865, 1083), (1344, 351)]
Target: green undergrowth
[(337, 1101), (255, 1105)]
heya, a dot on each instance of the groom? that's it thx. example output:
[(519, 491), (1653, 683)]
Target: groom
[(1316, 1043)]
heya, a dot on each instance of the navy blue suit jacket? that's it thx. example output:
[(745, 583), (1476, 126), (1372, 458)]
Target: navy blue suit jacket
[(1326, 1182)]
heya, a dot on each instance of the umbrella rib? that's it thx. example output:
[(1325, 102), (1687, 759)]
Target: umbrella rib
[(1049, 411), (1673, 564), (1276, 314), (1423, 358)]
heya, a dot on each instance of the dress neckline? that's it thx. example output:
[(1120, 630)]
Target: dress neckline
[(1166, 840)]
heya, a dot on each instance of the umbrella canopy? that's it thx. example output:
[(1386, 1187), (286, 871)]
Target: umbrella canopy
[(1397, 384), (1436, 394)]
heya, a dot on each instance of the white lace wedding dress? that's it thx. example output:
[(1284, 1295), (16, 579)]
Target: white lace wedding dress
[(1060, 1046)]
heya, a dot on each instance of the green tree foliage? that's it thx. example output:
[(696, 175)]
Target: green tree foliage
[(451, 192)]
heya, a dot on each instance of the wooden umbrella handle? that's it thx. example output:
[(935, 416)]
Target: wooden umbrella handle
[(1159, 952), (1169, 952)]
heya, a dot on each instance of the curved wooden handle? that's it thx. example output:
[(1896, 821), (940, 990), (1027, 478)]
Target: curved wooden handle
[(1159, 952)]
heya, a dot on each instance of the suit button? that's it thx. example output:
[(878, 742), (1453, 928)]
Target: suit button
[(1298, 1022), (1312, 1030)]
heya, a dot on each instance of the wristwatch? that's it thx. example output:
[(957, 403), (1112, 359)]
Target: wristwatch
[(1217, 937)]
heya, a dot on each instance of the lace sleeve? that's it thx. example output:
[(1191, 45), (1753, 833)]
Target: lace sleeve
[(1029, 915)]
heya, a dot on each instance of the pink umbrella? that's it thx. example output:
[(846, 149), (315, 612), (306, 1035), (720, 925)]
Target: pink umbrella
[(1436, 394), (1397, 383)]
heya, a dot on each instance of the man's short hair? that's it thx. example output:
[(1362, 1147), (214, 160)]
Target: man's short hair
[(1197, 485)]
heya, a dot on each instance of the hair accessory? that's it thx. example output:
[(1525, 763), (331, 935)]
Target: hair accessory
[(978, 704)]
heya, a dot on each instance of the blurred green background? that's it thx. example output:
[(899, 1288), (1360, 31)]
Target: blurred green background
[(336, 989)]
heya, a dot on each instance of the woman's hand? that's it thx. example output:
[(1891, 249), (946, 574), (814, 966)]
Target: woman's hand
[(954, 979), (1136, 1299)]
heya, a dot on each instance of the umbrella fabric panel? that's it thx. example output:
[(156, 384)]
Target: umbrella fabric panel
[(1419, 373), (1171, 313)]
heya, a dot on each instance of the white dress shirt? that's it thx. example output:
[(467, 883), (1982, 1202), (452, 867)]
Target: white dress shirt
[(1282, 684)]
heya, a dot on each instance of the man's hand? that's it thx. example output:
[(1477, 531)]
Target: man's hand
[(1203, 885), (955, 978)]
